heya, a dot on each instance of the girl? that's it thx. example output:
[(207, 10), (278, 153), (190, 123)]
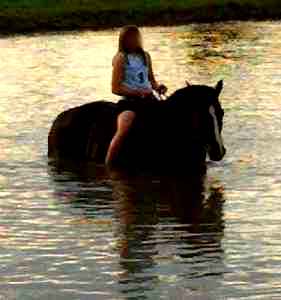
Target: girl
[(133, 79)]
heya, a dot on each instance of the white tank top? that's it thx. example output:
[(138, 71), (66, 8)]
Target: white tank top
[(136, 73)]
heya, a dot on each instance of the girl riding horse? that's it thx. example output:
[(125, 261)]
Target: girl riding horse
[(134, 80)]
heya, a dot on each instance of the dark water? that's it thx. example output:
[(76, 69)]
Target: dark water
[(81, 233)]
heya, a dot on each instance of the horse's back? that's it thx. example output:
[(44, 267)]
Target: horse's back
[(72, 129)]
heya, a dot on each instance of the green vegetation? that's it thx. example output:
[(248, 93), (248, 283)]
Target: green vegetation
[(40, 15)]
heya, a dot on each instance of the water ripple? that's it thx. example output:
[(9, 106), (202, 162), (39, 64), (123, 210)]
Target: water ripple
[(83, 234)]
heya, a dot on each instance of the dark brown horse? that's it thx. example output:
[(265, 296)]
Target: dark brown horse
[(175, 133)]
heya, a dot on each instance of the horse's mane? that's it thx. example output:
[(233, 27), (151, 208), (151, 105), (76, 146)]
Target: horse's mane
[(193, 96)]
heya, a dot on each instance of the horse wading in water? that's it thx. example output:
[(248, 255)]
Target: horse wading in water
[(176, 133)]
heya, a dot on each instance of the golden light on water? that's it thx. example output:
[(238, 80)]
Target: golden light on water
[(58, 232)]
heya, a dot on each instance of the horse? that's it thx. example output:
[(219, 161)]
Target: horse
[(175, 133)]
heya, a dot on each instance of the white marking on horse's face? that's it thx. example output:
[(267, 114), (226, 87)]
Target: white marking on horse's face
[(216, 128)]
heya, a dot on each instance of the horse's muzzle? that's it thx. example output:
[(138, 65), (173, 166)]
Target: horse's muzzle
[(217, 155)]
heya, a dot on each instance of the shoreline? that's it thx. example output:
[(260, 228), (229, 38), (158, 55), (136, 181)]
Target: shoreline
[(31, 21)]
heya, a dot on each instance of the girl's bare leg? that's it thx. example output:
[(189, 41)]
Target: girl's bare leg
[(124, 123)]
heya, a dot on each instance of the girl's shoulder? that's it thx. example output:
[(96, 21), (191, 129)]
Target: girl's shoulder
[(147, 56), (118, 58)]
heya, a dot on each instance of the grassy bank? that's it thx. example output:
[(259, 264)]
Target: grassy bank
[(19, 16)]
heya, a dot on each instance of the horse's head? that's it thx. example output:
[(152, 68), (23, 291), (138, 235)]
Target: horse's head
[(200, 114)]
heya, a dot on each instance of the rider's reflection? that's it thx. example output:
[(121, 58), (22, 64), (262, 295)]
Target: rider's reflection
[(175, 219), (166, 214)]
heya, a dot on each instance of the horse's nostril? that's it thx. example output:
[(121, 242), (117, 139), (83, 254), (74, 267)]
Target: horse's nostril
[(216, 155)]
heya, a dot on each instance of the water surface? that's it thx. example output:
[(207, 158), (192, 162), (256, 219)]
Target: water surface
[(82, 233)]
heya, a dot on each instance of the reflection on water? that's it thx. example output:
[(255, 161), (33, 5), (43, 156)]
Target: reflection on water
[(79, 232), (156, 225)]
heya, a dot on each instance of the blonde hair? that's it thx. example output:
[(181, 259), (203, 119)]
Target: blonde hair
[(125, 32)]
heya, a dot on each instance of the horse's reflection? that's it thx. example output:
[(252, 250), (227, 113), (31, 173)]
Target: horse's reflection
[(187, 203), (156, 217)]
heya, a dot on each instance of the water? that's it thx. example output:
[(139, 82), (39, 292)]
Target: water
[(92, 235)]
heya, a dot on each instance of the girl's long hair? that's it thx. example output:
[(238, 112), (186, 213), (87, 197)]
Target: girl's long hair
[(125, 32)]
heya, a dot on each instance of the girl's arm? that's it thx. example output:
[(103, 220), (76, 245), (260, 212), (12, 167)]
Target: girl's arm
[(160, 88), (117, 77)]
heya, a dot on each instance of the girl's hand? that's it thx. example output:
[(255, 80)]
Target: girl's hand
[(162, 89), (144, 93)]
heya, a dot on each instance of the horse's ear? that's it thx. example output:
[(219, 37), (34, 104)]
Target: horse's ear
[(219, 87)]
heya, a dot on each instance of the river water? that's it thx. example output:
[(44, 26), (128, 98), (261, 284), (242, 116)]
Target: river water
[(81, 233)]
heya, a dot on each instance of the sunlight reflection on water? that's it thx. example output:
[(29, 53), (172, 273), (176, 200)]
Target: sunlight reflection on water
[(85, 234)]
